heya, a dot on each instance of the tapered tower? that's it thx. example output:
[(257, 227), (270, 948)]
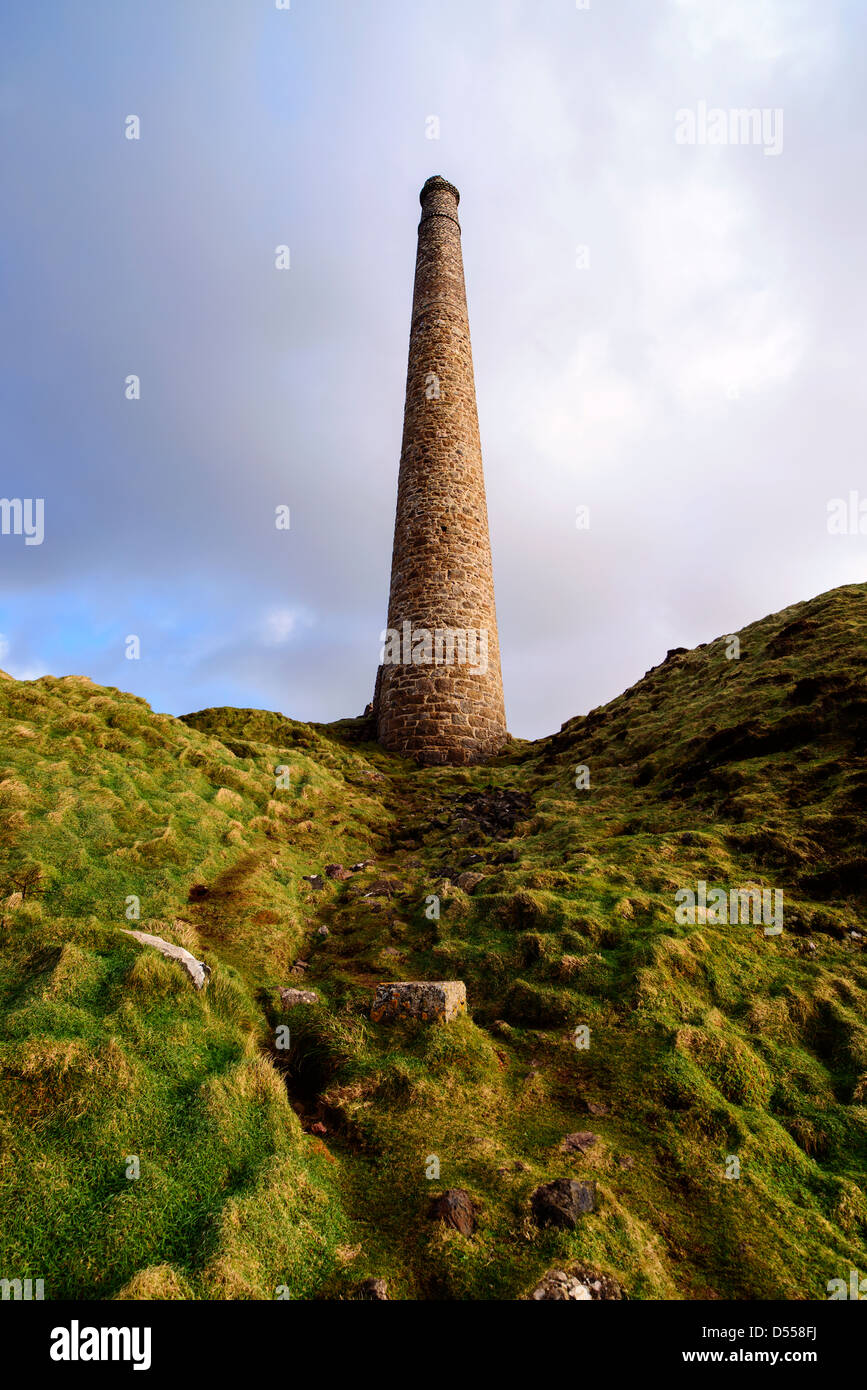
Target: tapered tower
[(439, 691)]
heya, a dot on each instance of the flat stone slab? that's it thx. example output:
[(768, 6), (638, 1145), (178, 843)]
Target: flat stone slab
[(196, 969), (427, 1000), (290, 997)]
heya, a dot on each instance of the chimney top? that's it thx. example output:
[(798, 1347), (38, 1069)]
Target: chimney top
[(437, 184)]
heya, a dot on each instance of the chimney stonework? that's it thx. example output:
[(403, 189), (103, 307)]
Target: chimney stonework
[(436, 709)]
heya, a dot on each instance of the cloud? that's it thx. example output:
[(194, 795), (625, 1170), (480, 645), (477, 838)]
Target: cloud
[(697, 384)]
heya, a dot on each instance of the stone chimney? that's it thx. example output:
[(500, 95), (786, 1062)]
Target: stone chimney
[(439, 691)]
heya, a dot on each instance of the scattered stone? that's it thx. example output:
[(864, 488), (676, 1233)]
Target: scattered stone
[(197, 970), (455, 1208), (382, 888), (300, 966), (317, 883), (337, 871), (855, 935), (495, 812), (557, 1284), (469, 881), (322, 931), (599, 1284), (365, 864), (580, 1142), (422, 999), (290, 997), (374, 1290), (597, 1107), (579, 1282), (318, 1128), (560, 1203), (625, 1161)]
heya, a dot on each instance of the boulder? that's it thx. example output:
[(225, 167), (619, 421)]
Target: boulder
[(579, 1143), (468, 881), (455, 1208), (290, 997), (197, 970), (560, 1203), (427, 1000), (373, 1290)]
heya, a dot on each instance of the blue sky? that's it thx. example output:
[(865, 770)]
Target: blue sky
[(697, 382)]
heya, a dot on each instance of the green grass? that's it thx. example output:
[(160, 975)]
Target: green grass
[(706, 1041)]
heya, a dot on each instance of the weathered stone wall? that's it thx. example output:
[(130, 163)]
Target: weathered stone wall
[(441, 712)]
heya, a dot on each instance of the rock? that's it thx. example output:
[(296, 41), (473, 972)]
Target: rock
[(601, 1286), (322, 931), (357, 868), (316, 882), (375, 1290), (625, 1161), (557, 1284), (597, 1107), (560, 1203), (290, 997), (318, 1128), (382, 888), (422, 999), (469, 881), (337, 871), (582, 1283), (495, 812), (581, 1142), (455, 1208), (197, 970)]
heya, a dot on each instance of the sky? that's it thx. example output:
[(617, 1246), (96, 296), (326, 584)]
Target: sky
[(668, 334)]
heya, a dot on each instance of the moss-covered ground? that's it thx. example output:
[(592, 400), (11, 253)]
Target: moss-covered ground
[(300, 1161)]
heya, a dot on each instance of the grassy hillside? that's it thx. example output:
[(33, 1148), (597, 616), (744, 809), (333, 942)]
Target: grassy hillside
[(305, 1167)]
